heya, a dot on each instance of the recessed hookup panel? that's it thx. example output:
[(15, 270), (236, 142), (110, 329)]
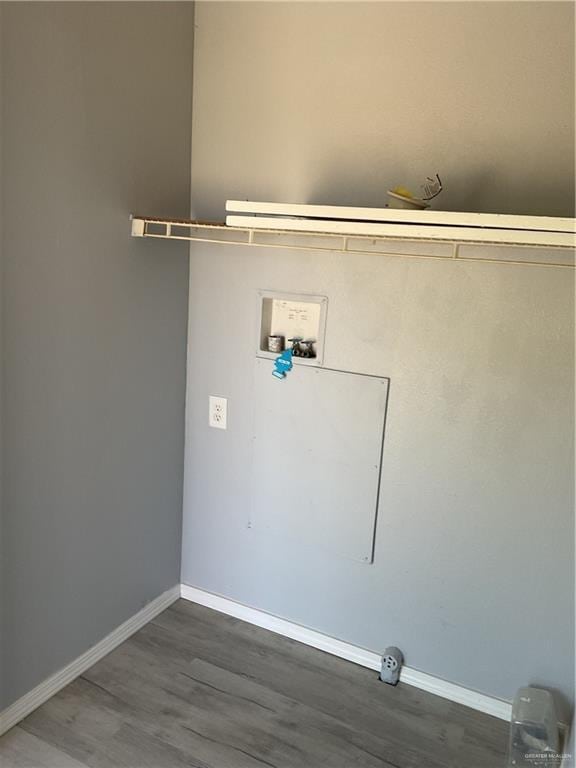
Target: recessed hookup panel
[(291, 321)]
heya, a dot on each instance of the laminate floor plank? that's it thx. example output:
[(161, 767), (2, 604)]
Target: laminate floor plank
[(250, 719), (150, 709), (352, 694), (122, 742), (19, 749), (199, 689)]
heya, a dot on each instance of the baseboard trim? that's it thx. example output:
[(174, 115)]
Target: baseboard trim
[(457, 693), (37, 696)]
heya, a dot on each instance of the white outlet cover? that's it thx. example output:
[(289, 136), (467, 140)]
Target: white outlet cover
[(217, 412)]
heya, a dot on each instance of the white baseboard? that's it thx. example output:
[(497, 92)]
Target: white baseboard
[(37, 696), (457, 693)]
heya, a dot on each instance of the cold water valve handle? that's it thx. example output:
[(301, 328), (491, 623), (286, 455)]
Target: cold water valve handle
[(303, 347)]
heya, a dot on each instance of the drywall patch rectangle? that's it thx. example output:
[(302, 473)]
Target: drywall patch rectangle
[(318, 438)]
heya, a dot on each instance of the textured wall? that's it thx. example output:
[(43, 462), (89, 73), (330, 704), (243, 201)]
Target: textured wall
[(2, 620), (337, 102), (473, 573), (95, 124)]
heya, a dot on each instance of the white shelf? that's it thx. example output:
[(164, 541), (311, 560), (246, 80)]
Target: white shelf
[(425, 231), (402, 216), (525, 247)]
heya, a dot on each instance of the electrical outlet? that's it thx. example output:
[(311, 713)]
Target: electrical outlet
[(391, 665), (217, 412)]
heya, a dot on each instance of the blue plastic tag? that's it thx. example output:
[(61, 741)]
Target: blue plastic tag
[(283, 364)]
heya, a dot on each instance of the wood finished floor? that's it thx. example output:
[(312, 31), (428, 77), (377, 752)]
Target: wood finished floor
[(198, 689)]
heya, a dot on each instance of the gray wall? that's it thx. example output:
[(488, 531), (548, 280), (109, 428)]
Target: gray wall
[(2, 621), (473, 574), (570, 762), (337, 102), (95, 123)]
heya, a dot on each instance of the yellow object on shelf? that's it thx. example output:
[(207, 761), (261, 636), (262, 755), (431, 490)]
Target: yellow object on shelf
[(402, 191)]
